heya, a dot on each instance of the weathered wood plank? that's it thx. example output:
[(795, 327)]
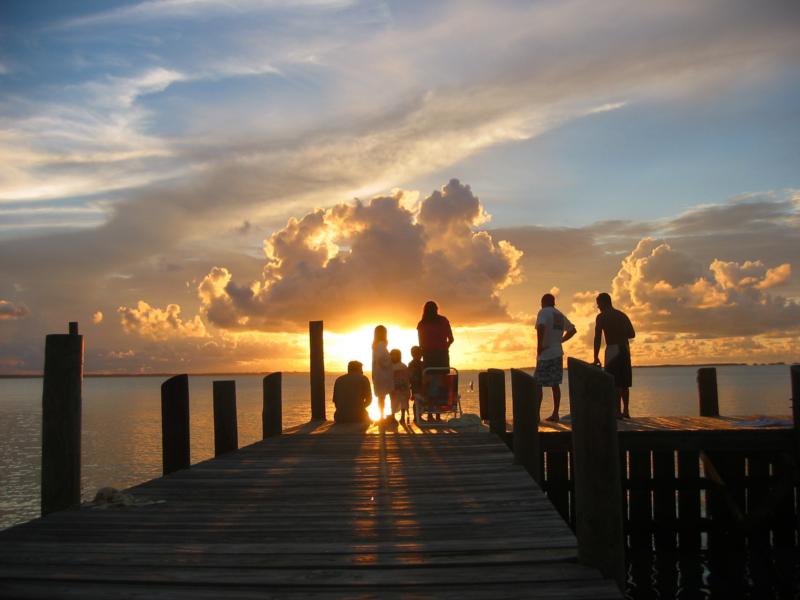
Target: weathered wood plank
[(329, 516)]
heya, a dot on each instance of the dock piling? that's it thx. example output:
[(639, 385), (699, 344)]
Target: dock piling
[(317, 370), (272, 414), (483, 395), (707, 391), (175, 424), (794, 373), (61, 420), (496, 394), (226, 436), (598, 486), (526, 399)]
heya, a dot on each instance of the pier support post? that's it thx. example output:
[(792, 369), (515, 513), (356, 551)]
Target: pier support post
[(707, 391), (61, 420), (175, 424), (483, 395), (526, 399), (598, 486), (496, 384), (317, 370), (272, 415), (794, 373), (226, 436)]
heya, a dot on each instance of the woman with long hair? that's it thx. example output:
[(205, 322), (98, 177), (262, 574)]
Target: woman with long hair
[(382, 371), (435, 337)]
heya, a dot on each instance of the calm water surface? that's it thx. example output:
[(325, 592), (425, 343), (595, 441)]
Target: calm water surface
[(121, 443)]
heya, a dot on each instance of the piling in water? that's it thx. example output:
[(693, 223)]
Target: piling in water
[(61, 420), (175, 424), (226, 436), (272, 413)]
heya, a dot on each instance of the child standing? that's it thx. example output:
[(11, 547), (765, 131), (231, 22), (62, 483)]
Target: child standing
[(400, 393)]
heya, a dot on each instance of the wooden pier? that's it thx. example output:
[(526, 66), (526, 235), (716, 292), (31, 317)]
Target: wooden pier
[(324, 511)]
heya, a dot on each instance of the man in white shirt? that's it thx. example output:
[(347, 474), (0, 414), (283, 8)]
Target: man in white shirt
[(552, 330)]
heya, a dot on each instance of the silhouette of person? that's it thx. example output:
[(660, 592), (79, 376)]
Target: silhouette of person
[(435, 337), (382, 370), (618, 329), (352, 395), (552, 330)]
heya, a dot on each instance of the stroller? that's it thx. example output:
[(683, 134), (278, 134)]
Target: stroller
[(439, 394)]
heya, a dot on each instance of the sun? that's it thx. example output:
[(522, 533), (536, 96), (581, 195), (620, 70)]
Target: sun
[(341, 348)]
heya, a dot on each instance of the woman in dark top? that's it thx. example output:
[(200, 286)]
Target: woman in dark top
[(435, 337)]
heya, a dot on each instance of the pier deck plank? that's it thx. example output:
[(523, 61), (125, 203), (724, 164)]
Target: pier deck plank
[(437, 514)]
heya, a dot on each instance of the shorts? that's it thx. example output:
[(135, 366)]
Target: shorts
[(549, 372), (618, 365)]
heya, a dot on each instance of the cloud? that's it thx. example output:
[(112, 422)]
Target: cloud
[(9, 311), (372, 258), (155, 323), (665, 290)]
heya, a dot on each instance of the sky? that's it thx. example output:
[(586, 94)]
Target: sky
[(195, 180)]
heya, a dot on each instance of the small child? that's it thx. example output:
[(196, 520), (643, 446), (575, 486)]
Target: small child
[(415, 370), (400, 394)]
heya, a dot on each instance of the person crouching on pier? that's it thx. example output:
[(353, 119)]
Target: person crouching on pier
[(552, 330)]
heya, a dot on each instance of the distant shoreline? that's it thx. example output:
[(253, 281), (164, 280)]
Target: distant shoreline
[(252, 373)]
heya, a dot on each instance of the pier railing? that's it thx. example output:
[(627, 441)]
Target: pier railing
[(691, 488)]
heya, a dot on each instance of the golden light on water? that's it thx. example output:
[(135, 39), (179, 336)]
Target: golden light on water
[(341, 348)]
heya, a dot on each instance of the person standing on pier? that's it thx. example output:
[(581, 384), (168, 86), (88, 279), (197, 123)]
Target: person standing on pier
[(618, 329), (552, 330), (382, 371), (435, 337)]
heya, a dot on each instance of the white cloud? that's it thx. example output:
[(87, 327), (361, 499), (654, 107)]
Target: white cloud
[(10, 311), (356, 261), (159, 324)]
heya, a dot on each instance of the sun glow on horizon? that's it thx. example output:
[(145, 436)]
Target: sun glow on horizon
[(341, 348)]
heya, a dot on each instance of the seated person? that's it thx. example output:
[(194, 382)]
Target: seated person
[(352, 394)]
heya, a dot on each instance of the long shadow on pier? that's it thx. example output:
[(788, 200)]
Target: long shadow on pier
[(323, 511)]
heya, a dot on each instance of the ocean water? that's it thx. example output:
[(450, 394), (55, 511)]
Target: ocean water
[(121, 435)]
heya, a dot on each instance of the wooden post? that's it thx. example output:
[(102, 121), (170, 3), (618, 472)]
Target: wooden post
[(707, 391), (271, 416), (598, 486), (794, 373), (317, 371), (61, 420), (496, 386), (226, 437), (483, 395), (175, 424), (526, 398)]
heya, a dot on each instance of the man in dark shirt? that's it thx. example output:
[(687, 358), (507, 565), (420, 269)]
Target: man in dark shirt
[(618, 329), (352, 394)]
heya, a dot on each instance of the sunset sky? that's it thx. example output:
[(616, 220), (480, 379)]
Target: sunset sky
[(194, 180)]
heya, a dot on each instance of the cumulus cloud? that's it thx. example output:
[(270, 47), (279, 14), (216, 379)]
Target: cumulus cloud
[(159, 324), (665, 290), (10, 311), (372, 258)]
